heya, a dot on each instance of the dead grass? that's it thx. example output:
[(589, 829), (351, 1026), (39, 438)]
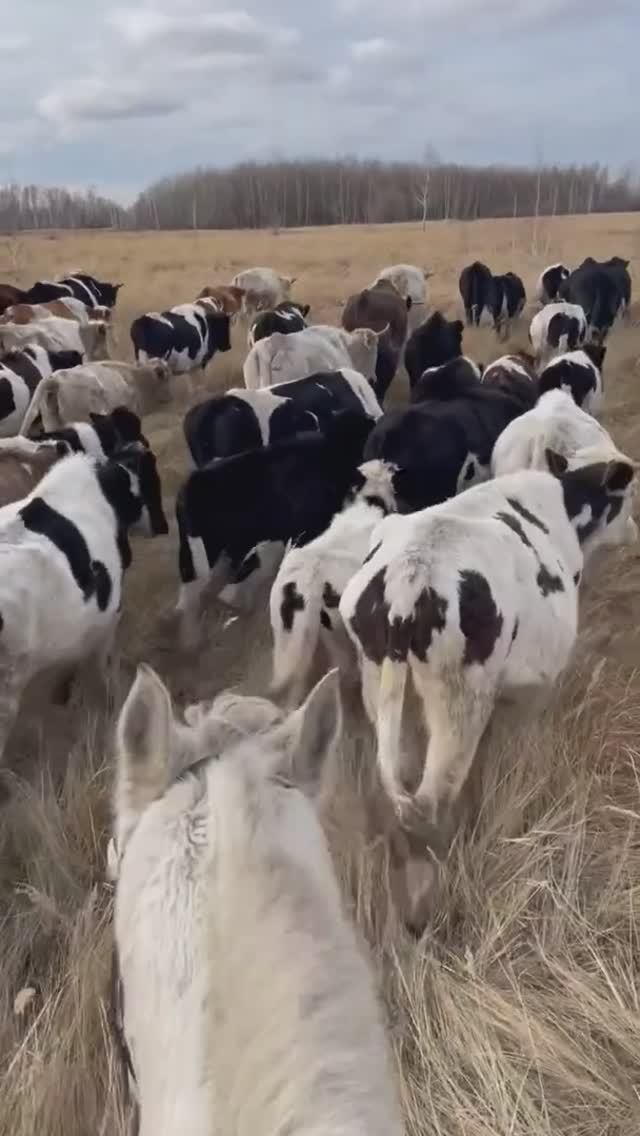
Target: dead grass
[(518, 1012)]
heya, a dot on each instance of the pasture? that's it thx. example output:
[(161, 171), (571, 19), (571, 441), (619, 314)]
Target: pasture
[(519, 1010)]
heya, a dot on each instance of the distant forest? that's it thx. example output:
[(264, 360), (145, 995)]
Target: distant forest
[(294, 194)]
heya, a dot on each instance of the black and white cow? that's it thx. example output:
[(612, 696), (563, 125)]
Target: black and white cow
[(433, 343), (488, 606), (186, 337), (92, 292), (444, 444), (502, 298), (578, 373), (285, 318), (450, 379), (557, 328), (65, 548), (515, 375), (549, 281), (603, 290), (20, 373), (101, 437), (289, 491), (241, 419)]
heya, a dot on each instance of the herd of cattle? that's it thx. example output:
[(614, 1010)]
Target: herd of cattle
[(442, 541)]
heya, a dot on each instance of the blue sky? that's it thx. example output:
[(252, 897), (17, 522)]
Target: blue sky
[(118, 95)]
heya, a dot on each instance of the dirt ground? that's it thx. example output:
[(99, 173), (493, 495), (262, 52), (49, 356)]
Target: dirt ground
[(518, 1011)]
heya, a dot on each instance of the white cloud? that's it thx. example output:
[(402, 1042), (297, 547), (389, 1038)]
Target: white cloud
[(372, 49), (96, 100), (222, 32), (13, 44)]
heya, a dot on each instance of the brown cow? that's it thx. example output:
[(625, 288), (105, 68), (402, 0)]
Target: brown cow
[(227, 297), (381, 308), (10, 295), (21, 472), (69, 309)]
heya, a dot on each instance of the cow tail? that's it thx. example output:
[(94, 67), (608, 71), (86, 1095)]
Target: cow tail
[(296, 631), (592, 322), (251, 371), (393, 680), (476, 301), (44, 394)]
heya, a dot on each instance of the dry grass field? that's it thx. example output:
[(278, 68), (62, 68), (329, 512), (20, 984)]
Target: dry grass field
[(518, 1012)]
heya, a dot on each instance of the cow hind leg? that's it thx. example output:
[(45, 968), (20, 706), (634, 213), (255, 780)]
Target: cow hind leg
[(13, 679), (456, 714)]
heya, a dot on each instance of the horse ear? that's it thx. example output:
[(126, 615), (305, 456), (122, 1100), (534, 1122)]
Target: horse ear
[(143, 750), (309, 735)]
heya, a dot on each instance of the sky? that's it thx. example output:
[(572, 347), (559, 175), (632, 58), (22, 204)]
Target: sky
[(119, 95)]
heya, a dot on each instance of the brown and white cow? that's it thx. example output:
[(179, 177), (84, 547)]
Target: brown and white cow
[(227, 298)]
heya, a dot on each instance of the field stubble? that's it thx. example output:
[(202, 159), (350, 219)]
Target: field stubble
[(518, 1011)]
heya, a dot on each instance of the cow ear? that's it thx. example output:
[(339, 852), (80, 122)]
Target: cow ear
[(306, 308), (556, 462)]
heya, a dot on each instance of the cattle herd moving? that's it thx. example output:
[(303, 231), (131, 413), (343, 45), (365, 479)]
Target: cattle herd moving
[(441, 542)]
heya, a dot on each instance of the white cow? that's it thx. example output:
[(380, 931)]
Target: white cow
[(98, 388), (306, 592), (243, 997), (56, 334), (411, 282), (264, 289), (555, 425), (282, 358), (63, 551), (557, 328), (475, 597)]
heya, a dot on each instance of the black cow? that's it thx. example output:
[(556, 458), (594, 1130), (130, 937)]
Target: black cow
[(381, 308), (603, 290), (94, 293), (549, 281), (289, 491), (477, 292), (433, 343), (501, 297), (512, 298), (443, 445), (285, 318), (187, 336), (241, 419)]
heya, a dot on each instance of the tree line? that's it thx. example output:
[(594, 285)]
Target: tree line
[(295, 194)]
